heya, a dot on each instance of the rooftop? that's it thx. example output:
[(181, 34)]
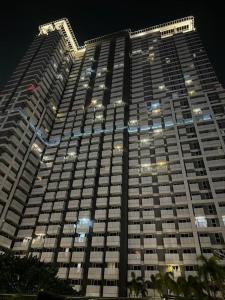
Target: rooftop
[(166, 30)]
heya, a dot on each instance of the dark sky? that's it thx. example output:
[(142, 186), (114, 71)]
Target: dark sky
[(19, 23)]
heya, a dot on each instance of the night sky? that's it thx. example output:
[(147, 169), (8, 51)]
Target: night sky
[(19, 23)]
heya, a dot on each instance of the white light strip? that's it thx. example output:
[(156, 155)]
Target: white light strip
[(64, 27), (168, 29)]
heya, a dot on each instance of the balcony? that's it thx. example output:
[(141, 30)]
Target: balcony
[(96, 257), (112, 256), (114, 226), (111, 274), (66, 242), (168, 227), (148, 214), (150, 243), (134, 243), (62, 273), (95, 273), (110, 291), (75, 273), (205, 241), (187, 242), (99, 227), (64, 257), (93, 290), (189, 258), (97, 241), (170, 242), (172, 258), (134, 259), (183, 212), (47, 257), (78, 257), (100, 214), (113, 241), (187, 226), (167, 213), (147, 202), (80, 242), (134, 228), (149, 228), (150, 258)]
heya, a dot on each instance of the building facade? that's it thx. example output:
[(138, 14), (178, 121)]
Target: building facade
[(112, 155)]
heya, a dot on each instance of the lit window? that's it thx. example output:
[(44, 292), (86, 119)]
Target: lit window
[(99, 105), (72, 154), (36, 148), (102, 86), (188, 82), (167, 60), (136, 51), (99, 74), (81, 237), (156, 111), (161, 163), (54, 108), (201, 222), (118, 148), (26, 240), (94, 101), (155, 40), (85, 85), (146, 167), (197, 111), (99, 117), (223, 218), (151, 56), (55, 65), (40, 235), (85, 221), (151, 48), (133, 122), (191, 92), (67, 58), (145, 141), (111, 265), (119, 102), (158, 131), (59, 76), (162, 87)]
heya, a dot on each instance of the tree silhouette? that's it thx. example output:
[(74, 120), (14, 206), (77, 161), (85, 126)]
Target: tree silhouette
[(27, 275)]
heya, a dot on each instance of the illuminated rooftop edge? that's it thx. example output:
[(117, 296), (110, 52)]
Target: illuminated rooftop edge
[(166, 30)]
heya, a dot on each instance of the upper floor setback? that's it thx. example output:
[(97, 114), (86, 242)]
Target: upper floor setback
[(166, 30)]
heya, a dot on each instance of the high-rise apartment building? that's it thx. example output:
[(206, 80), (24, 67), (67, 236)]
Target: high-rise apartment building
[(112, 155)]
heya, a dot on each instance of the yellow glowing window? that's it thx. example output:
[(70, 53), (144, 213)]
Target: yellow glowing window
[(197, 111)]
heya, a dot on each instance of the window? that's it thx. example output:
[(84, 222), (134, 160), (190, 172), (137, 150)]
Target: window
[(223, 218), (201, 222)]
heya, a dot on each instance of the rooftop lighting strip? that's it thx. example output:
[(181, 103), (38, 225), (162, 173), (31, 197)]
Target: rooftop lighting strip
[(160, 26)]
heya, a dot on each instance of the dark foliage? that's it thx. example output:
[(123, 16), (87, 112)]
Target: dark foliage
[(28, 275)]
